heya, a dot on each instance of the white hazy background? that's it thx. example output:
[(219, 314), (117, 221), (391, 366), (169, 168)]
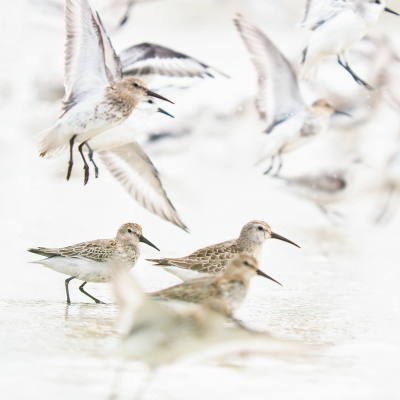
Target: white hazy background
[(340, 290)]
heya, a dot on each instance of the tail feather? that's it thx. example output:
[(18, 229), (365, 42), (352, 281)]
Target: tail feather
[(49, 143)]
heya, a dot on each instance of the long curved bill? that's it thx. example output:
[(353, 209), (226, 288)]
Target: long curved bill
[(391, 11), (160, 110), (152, 94), (276, 236), (144, 240), (259, 272)]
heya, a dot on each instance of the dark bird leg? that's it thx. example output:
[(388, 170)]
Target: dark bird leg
[(86, 166), (67, 281), (90, 155), (71, 156), (270, 167), (127, 13), (280, 162), (331, 214), (87, 294), (346, 66)]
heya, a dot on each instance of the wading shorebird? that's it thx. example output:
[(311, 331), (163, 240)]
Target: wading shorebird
[(95, 99), (158, 335), (231, 285), (336, 25), (290, 123), (93, 261), (214, 259)]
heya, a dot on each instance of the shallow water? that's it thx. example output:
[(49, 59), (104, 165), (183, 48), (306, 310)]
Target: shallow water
[(340, 291)]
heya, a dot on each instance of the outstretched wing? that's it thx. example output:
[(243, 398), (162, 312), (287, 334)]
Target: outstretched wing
[(319, 11), (85, 69), (113, 63), (130, 165), (278, 95), (148, 59)]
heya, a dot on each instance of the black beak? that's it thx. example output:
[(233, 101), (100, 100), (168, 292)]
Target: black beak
[(259, 272), (144, 240), (390, 11), (160, 110), (150, 93), (343, 113), (276, 236)]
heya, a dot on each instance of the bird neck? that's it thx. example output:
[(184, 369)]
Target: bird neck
[(233, 275), (122, 98), (249, 246), (368, 12)]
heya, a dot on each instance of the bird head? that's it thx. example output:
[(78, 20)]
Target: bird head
[(326, 107), (132, 233), (138, 89), (258, 232)]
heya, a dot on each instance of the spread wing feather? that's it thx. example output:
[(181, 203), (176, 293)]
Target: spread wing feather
[(148, 59), (278, 91), (85, 69), (130, 165)]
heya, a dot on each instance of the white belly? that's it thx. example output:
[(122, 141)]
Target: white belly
[(84, 270)]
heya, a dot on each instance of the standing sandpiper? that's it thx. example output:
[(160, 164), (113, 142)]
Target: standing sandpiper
[(290, 123), (93, 261), (214, 259), (96, 99), (231, 286)]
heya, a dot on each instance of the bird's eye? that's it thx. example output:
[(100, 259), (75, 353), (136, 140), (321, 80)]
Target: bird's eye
[(378, 1), (246, 263), (327, 105), (136, 85), (260, 228), (130, 231), (150, 101)]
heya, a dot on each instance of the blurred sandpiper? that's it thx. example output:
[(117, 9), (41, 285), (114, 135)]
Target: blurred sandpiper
[(290, 122), (231, 286)]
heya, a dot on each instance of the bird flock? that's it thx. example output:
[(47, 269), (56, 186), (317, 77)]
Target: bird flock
[(107, 105)]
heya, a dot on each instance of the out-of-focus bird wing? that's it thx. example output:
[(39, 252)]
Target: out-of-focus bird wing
[(194, 291), (326, 182), (151, 59), (319, 11), (130, 165), (85, 69), (279, 96)]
